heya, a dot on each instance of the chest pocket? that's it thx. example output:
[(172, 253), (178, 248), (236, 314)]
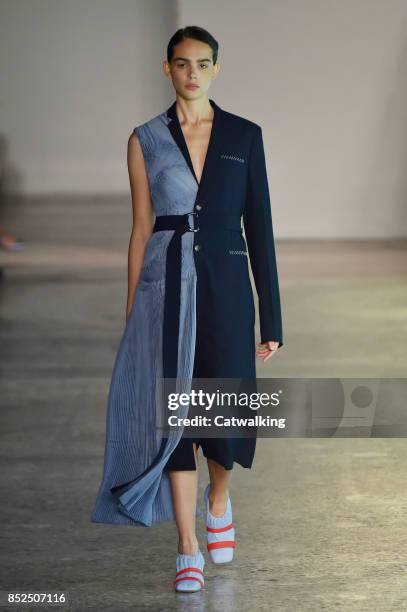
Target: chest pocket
[(233, 157), (233, 166), (233, 162)]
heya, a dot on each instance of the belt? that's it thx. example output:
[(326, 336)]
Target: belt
[(172, 299), (209, 221)]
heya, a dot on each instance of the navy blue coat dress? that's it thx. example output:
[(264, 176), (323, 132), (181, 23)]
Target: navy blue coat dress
[(233, 186), (193, 312)]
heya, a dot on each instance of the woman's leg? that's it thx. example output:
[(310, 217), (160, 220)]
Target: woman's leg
[(184, 487), (218, 492)]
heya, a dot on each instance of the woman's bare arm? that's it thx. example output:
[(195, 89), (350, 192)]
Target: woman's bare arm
[(143, 215)]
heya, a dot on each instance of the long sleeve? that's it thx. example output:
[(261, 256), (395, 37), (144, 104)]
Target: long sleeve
[(258, 228)]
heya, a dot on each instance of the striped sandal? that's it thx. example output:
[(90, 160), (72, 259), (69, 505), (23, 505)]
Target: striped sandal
[(189, 576), (220, 532)]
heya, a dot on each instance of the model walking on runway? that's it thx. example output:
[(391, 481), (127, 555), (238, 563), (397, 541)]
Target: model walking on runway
[(196, 173)]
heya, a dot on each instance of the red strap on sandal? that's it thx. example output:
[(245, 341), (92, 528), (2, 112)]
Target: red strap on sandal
[(219, 529), (225, 544), (189, 569)]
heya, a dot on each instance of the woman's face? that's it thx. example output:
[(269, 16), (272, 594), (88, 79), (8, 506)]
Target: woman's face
[(191, 64)]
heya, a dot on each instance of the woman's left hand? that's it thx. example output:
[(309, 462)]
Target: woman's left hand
[(265, 350)]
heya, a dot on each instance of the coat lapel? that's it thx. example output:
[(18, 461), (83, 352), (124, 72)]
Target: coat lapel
[(213, 147)]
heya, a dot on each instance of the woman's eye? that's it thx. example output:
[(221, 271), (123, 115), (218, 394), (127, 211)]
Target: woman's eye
[(204, 66)]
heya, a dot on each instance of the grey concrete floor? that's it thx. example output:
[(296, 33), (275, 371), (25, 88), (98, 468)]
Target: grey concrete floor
[(321, 523)]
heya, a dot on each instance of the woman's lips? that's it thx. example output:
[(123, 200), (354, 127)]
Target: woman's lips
[(190, 86)]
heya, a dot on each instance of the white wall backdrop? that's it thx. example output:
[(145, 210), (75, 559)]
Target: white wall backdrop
[(76, 77), (327, 81)]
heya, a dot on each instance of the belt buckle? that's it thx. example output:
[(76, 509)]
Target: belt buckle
[(190, 228)]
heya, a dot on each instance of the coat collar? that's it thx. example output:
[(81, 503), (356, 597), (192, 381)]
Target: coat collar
[(214, 141)]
